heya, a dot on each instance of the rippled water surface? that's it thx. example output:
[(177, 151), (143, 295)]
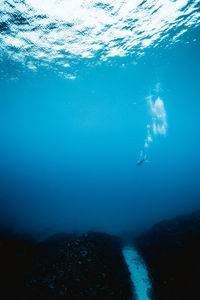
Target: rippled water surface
[(58, 31)]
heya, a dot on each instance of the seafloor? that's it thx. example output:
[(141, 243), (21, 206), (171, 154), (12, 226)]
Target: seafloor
[(98, 265)]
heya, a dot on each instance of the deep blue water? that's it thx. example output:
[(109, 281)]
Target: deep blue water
[(74, 121)]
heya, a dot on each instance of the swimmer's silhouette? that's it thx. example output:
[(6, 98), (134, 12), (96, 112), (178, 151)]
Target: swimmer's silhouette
[(142, 159)]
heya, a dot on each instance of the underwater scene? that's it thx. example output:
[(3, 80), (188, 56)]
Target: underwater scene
[(99, 149)]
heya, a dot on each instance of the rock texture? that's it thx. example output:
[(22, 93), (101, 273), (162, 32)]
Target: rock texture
[(64, 267), (171, 250)]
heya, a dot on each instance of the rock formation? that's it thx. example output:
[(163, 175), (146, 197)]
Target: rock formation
[(89, 267), (171, 250)]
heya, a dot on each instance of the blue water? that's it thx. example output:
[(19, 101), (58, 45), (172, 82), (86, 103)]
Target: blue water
[(88, 90)]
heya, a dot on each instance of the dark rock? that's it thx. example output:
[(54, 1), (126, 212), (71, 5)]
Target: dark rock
[(171, 251), (64, 267), (16, 261)]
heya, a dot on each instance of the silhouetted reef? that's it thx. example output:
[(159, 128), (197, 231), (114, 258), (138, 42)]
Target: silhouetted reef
[(91, 266), (64, 266), (171, 250)]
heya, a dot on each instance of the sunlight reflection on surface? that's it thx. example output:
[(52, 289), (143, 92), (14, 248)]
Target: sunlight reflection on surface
[(54, 31)]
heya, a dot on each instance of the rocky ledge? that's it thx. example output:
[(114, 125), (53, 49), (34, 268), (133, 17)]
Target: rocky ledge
[(90, 267), (171, 250), (93, 267)]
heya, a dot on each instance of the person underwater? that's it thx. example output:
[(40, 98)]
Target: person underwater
[(142, 159)]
